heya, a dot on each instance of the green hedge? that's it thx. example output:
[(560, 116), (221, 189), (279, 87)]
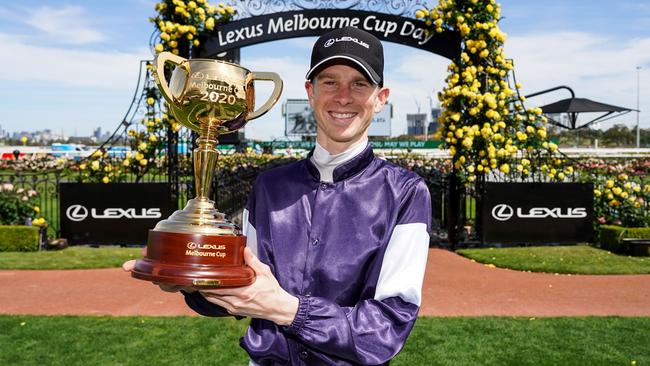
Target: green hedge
[(19, 238), (611, 237)]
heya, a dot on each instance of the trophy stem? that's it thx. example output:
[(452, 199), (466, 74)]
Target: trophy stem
[(205, 158)]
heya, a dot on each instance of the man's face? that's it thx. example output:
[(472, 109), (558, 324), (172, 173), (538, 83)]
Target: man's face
[(344, 103)]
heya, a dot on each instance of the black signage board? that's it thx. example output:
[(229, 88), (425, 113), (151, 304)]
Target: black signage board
[(305, 23), (537, 213), (116, 213)]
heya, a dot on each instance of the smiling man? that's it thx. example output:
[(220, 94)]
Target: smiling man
[(338, 241)]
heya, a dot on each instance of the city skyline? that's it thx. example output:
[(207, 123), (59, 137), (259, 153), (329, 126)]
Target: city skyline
[(75, 62)]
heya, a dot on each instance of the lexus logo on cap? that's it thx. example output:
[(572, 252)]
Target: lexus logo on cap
[(331, 41), (502, 212), (76, 213)]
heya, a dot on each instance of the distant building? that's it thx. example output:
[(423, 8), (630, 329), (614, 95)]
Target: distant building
[(416, 123), (433, 124)]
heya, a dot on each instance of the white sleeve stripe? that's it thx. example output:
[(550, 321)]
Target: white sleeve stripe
[(402, 270), (249, 230)]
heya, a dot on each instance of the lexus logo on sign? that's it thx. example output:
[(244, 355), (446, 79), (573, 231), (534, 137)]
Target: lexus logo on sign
[(502, 212), (76, 213), (80, 213)]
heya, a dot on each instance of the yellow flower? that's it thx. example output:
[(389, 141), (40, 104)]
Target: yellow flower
[(37, 209), (505, 168), (38, 222), (150, 101), (597, 193), (143, 162), (609, 183), (142, 146), (105, 179), (209, 23), (159, 48), (94, 165), (126, 162), (521, 136), (82, 166)]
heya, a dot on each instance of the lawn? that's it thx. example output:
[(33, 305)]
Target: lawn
[(552, 259), (34, 340), (78, 257), (579, 259)]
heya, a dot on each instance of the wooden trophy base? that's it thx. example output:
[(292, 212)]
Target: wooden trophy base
[(194, 260)]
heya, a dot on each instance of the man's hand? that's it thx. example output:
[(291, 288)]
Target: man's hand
[(264, 299), (129, 265)]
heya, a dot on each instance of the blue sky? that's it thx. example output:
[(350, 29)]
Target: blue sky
[(71, 66)]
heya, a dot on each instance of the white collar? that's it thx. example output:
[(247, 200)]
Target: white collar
[(326, 163)]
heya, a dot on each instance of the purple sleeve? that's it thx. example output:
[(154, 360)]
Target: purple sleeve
[(371, 333)]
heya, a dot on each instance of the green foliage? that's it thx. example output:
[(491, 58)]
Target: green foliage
[(19, 239), (486, 341), (621, 190), (579, 259), (16, 205), (611, 237), (638, 232), (77, 257)]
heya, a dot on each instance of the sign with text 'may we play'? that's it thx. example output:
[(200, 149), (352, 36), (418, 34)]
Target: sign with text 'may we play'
[(537, 213), (116, 213)]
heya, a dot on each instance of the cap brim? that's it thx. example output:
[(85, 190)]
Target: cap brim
[(360, 62)]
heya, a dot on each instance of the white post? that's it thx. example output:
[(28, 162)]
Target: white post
[(638, 128)]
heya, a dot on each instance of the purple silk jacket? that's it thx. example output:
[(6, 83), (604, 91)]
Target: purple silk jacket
[(353, 252)]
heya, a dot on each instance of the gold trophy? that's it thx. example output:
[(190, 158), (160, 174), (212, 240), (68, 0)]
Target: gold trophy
[(197, 246)]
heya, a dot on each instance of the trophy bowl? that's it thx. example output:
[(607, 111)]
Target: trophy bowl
[(197, 246)]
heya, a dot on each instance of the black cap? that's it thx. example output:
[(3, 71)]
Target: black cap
[(359, 47)]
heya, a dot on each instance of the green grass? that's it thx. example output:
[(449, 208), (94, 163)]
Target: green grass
[(569, 259), (579, 259), (70, 258), (38, 340)]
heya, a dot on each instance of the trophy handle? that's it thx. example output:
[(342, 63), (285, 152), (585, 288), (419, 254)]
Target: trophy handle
[(275, 95), (161, 59)]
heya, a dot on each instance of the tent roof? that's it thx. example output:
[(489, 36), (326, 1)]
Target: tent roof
[(580, 105)]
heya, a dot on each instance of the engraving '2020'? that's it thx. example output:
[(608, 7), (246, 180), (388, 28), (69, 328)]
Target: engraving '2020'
[(212, 91)]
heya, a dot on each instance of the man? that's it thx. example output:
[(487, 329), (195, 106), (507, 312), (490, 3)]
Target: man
[(339, 240)]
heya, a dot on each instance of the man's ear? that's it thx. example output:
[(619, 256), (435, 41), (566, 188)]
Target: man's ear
[(382, 98), (309, 88)]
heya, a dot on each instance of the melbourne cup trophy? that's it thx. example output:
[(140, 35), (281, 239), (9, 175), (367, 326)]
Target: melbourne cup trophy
[(197, 246)]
